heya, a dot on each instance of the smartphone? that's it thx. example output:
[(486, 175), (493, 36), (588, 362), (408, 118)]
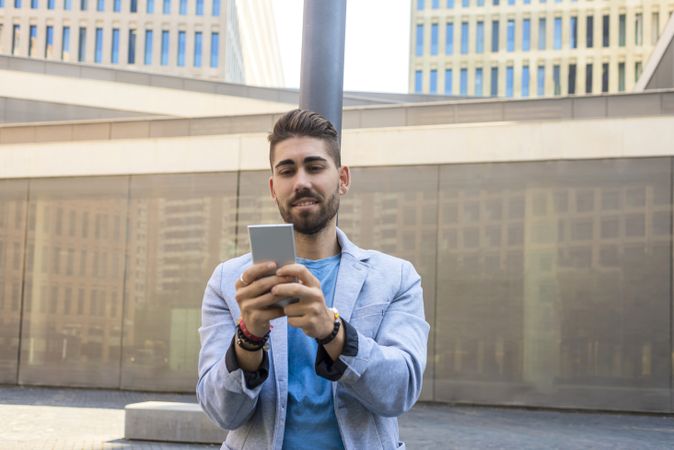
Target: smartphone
[(273, 243)]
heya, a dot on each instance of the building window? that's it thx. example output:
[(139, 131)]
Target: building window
[(181, 49), (449, 88), (542, 30), (164, 48), (572, 79), (557, 79), (82, 44), (588, 78), (639, 29), (100, 5), (182, 7), (115, 46), (494, 35), (510, 36), (463, 82), (17, 4), (131, 51), (510, 81), (589, 31), (464, 38), (51, 4), (605, 31), (149, 7), (83, 5), (65, 44), (557, 38), (33, 4), (149, 37), (117, 5), (133, 6), (465, 3), (166, 7), (540, 81), (621, 77), (449, 39), (479, 37), (450, 4), (604, 77), (573, 38), (622, 30), (434, 39), (638, 68), (418, 81), (525, 81), (67, 5), (98, 51), (478, 81), (434, 81), (197, 48), (16, 39), (200, 8), (494, 82), (49, 42), (420, 40), (215, 52), (420, 5), (526, 35), (655, 28), (32, 42), (435, 4), (216, 8)]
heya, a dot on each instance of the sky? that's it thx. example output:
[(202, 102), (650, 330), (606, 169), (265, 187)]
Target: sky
[(376, 55)]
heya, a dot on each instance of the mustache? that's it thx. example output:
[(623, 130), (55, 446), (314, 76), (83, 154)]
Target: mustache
[(305, 194)]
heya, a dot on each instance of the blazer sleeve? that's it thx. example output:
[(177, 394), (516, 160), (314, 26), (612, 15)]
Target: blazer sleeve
[(223, 395), (385, 374)]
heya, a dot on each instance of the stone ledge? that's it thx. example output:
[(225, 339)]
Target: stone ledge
[(170, 422)]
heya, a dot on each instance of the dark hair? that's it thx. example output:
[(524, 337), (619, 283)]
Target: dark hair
[(303, 123)]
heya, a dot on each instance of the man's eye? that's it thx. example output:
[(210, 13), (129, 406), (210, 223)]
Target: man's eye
[(285, 172), (315, 168)]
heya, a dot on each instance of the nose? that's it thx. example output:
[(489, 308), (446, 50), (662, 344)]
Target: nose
[(301, 181)]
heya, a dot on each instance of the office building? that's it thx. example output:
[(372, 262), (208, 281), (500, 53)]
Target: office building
[(532, 48)]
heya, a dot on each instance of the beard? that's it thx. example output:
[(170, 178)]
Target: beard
[(310, 222)]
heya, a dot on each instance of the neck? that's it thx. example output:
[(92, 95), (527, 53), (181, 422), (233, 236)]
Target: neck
[(320, 245)]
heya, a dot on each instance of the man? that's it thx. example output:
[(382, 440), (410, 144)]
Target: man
[(335, 369)]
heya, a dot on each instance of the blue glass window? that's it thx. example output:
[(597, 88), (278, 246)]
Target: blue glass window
[(149, 37), (450, 4), (149, 7), (33, 4), (464, 38), (100, 5), (449, 39), (166, 7), (82, 44), (418, 81), (494, 82), (115, 46), (526, 35), (479, 37), (2, 3), (434, 81), (435, 4), (32, 30), (51, 4), (67, 5), (420, 40), (510, 36), (449, 82), (216, 8), (215, 49), (181, 49), (65, 44), (164, 47), (182, 7), (573, 39), (557, 79), (525, 81), (49, 42), (197, 48), (557, 42), (511, 2), (480, 2), (420, 5), (589, 32), (463, 82), (117, 6), (465, 3), (540, 81), (478, 81), (98, 53), (494, 35), (16, 30), (605, 31), (542, 29), (510, 75), (495, 2), (131, 50), (133, 6), (434, 39)]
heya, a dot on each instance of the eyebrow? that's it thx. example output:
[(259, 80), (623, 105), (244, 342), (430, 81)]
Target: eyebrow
[(307, 160)]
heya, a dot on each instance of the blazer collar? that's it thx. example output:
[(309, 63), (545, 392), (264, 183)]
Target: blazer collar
[(351, 276)]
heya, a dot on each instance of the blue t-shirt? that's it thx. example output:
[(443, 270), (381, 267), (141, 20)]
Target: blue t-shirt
[(310, 419)]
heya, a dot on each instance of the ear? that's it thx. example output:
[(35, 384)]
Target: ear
[(271, 188), (344, 179)]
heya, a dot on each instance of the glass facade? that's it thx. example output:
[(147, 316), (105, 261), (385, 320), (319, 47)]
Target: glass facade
[(565, 265), (114, 58), (215, 49), (479, 81), (65, 44), (49, 42), (32, 39), (494, 82), (149, 38), (526, 35), (434, 39), (420, 40), (131, 51), (181, 48), (510, 36), (98, 52), (510, 81), (164, 47), (557, 38), (82, 44), (479, 37), (198, 44), (463, 82), (542, 30), (525, 81), (449, 39), (418, 81), (449, 82), (433, 81), (464, 38)]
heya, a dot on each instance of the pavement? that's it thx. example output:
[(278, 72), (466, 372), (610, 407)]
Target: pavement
[(38, 418)]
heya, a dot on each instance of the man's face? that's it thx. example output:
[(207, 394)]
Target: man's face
[(306, 184)]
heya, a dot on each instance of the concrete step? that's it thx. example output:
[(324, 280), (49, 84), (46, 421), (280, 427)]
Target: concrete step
[(170, 422)]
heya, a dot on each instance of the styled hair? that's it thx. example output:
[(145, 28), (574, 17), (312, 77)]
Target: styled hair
[(303, 123)]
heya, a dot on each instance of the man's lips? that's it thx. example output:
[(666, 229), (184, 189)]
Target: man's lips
[(304, 202)]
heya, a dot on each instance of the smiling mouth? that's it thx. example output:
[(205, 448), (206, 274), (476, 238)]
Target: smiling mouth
[(304, 202)]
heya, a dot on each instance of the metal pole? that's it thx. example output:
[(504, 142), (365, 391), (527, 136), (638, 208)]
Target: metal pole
[(322, 73)]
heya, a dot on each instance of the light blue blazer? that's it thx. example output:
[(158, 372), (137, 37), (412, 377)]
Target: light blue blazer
[(381, 297)]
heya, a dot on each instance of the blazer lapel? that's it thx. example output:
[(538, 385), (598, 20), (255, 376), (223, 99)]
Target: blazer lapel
[(350, 279), (279, 345)]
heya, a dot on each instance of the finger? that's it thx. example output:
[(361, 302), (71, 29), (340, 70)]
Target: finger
[(270, 313), (254, 272), (297, 322), (299, 271), (259, 287), (300, 291), (265, 301)]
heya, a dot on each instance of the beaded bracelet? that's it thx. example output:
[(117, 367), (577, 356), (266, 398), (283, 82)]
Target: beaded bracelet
[(329, 338)]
